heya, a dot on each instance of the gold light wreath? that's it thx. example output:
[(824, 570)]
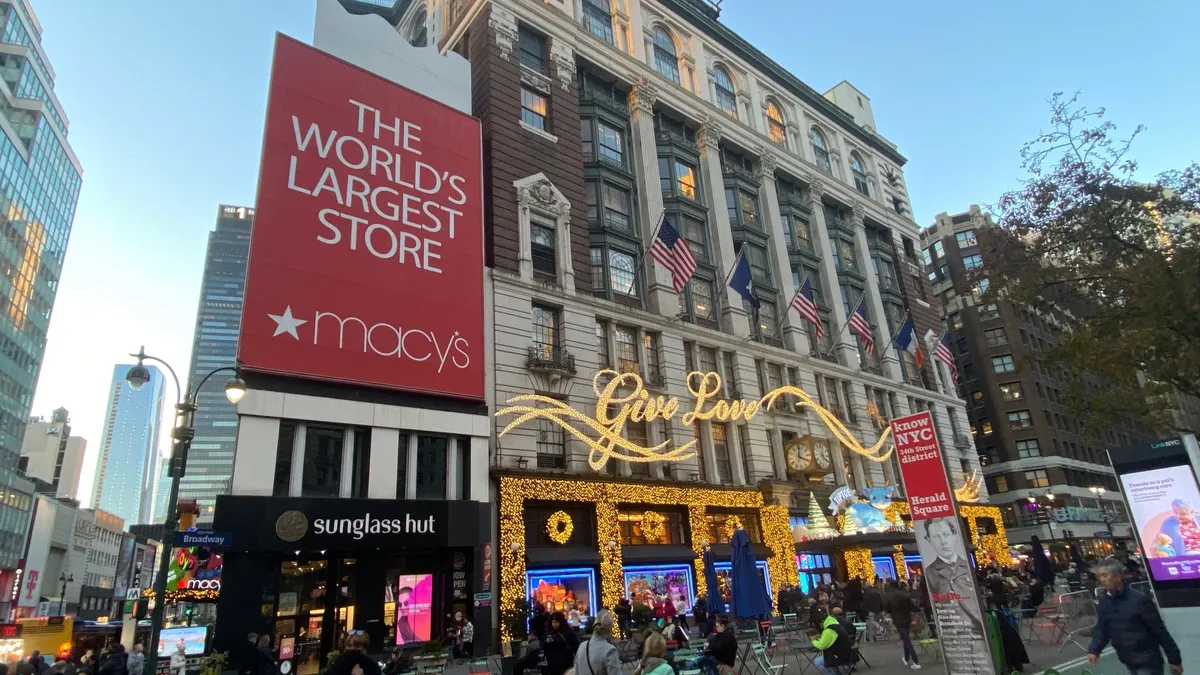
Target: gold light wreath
[(732, 524), (559, 526), (652, 526)]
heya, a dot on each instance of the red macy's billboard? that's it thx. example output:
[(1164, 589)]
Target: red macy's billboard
[(924, 474), (366, 258)]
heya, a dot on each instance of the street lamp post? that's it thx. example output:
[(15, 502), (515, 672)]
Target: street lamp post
[(181, 434), (62, 598)]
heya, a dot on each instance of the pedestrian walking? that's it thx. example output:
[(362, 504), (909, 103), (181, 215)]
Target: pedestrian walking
[(598, 656), (899, 605), (1131, 623), (136, 661), (624, 612), (178, 662), (559, 645), (872, 607)]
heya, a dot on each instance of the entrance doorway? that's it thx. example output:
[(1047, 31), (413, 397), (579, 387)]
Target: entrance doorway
[(315, 605)]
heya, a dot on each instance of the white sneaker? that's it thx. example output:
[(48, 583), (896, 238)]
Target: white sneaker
[(915, 666), (904, 660)]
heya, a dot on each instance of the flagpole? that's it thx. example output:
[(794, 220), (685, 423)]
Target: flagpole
[(907, 317), (662, 218), (833, 344)]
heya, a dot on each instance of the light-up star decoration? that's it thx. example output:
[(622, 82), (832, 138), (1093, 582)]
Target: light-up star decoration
[(603, 436)]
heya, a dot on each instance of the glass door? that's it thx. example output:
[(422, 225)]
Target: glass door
[(301, 609)]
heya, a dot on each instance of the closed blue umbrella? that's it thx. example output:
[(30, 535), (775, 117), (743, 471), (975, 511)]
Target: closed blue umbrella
[(716, 603), (748, 596)]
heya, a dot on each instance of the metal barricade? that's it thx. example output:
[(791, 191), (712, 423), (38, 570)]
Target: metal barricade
[(1078, 614)]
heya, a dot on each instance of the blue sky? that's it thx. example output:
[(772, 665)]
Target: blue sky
[(166, 104)]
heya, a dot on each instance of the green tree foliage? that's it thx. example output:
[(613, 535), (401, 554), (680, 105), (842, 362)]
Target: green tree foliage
[(1122, 256)]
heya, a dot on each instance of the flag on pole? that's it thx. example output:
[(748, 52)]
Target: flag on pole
[(806, 306), (942, 351), (673, 253), (906, 339), (861, 327), (741, 280)]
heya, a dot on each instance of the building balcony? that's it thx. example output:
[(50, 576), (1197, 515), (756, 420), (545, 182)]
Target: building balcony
[(549, 358)]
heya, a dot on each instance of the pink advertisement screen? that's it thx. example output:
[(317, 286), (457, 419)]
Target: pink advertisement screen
[(414, 607)]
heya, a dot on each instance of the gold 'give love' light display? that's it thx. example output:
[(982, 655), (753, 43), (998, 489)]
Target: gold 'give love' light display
[(627, 395)]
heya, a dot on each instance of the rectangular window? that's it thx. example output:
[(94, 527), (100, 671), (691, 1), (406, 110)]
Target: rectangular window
[(598, 270), (685, 179), (283, 459), (768, 321), (995, 337), (431, 466), (985, 426), (1028, 448), (542, 251), (402, 469), (721, 450), (1003, 363), (616, 207), (612, 147), (989, 311), (744, 441), (627, 349), (551, 445), (1037, 479), (622, 273), (1019, 419), (652, 360), (532, 50), (602, 344), (597, 18), (545, 331), (664, 175), (638, 434), (956, 320), (849, 257), (971, 262), (708, 360), (966, 239), (1012, 391), (361, 465), (588, 143), (534, 109), (748, 205), (760, 269), (702, 299), (1001, 484), (322, 462), (693, 232)]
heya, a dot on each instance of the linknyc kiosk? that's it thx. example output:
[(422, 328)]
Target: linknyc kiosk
[(1159, 484)]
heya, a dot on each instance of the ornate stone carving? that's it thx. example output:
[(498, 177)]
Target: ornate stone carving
[(767, 163), (710, 133), (535, 80), (504, 23), (643, 95), (563, 57), (543, 196), (816, 188), (856, 212)]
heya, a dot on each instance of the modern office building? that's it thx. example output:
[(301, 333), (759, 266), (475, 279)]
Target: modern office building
[(124, 481), (39, 187), (210, 461), (599, 117), (162, 489), (1045, 474), (50, 453)]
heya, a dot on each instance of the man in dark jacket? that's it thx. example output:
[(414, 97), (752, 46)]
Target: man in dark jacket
[(115, 663), (721, 649), (835, 645), (1130, 621), (899, 604), (872, 609)]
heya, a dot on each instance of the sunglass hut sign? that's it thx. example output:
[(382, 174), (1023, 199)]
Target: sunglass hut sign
[(292, 526)]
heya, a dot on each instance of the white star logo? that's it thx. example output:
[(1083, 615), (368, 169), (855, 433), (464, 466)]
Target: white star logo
[(286, 323)]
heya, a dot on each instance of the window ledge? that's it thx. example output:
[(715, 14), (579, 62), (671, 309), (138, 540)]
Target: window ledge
[(538, 132)]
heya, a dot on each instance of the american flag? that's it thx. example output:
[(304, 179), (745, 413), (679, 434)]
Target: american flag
[(673, 252), (806, 306), (861, 327), (942, 351)]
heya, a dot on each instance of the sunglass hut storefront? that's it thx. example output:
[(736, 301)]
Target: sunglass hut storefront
[(318, 569)]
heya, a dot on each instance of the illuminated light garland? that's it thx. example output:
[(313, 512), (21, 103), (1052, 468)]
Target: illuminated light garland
[(732, 524), (652, 526), (514, 491), (559, 527), (898, 560), (639, 405), (859, 563), (777, 535), (994, 545)]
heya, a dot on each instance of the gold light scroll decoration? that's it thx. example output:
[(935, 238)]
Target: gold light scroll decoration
[(606, 440), (559, 527)]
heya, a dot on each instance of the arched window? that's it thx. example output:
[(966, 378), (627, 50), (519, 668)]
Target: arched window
[(726, 96), (821, 151), (860, 174), (597, 16), (775, 127), (418, 34), (666, 61)]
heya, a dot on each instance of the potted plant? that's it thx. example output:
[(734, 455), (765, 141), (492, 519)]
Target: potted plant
[(214, 663)]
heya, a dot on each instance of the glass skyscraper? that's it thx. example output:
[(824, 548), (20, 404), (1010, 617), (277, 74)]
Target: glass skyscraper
[(39, 187), (129, 447), (214, 345)]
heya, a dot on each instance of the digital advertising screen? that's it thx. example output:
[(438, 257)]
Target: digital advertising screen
[(647, 583), (414, 607), (570, 591), (1164, 503), (193, 638)]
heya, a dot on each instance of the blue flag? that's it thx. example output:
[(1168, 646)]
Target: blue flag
[(741, 280)]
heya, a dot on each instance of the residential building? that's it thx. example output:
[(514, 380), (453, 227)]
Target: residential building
[(128, 447), (1040, 467), (50, 453), (214, 345), (39, 187)]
